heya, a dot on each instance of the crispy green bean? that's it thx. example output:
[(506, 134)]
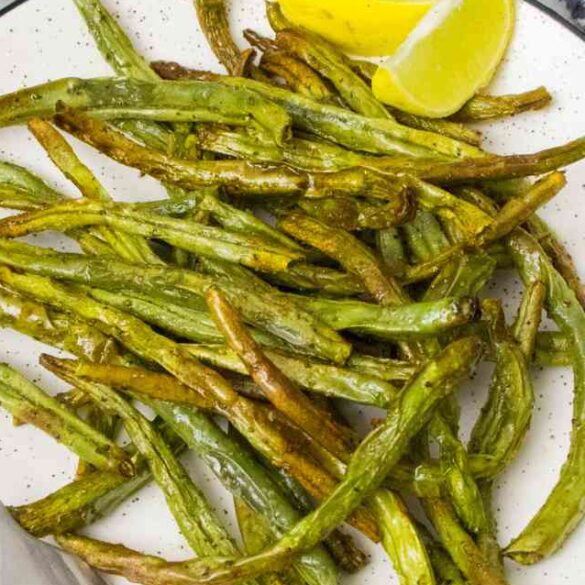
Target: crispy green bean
[(401, 540), (28, 403), (274, 384), (445, 569), (310, 277), (354, 214), (238, 469), (89, 498), (466, 554), (553, 349), (212, 17), (411, 321), (298, 76), (529, 317), (353, 255), (114, 98), (20, 189), (356, 132), (332, 65), (298, 152), (487, 107), (252, 419), (491, 166), (54, 328), (65, 159), (564, 507), (513, 214), (188, 505), (452, 129), (558, 253), (188, 235), (274, 313), (239, 176), (365, 386), (391, 248), (371, 462), (82, 502), (112, 42), (256, 535)]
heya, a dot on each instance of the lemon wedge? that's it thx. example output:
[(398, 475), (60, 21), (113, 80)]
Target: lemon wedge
[(451, 54), (359, 27)]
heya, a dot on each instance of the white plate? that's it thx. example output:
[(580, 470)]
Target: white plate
[(47, 40)]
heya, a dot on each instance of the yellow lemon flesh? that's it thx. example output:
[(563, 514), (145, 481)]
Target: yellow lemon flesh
[(451, 54), (359, 27)]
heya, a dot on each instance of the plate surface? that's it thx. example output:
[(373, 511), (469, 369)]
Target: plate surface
[(46, 40)]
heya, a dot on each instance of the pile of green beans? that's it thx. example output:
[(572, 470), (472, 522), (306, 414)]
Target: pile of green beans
[(316, 247)]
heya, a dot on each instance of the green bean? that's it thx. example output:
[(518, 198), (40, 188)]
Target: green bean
[(445, 569), (458, 477), (558, 253), (229, 217), (357, 386), (431, 198), (28, 403), (564, 507), (466, 274), (250, 418), (415, 320), (356, 132), (55, 328), (65, 159), (340, 546), (229, 460), (20, 189), (460, 545), (274, 384), (159, 101), (514, 213), (188, 505), (301, 153), (553, 349), (309, 277), (490, 167), (391, 249), (112, 42), (332, 65), (187, 235), (212, 17), (391, 370), (371, 462), (487, 107), (274, 313), (244, 477), (299, 77), (401, 540), (519, 209), (89, 498), (529, 317), (449, 128), (354, 214), (184, 322), (354, 256), (256, 535), (239, 176)]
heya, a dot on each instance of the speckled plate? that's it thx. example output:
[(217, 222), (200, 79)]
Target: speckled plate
[(47, 40)]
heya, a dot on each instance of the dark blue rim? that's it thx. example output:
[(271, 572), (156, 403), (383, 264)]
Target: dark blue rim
[(573, 27), (11, 6)]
